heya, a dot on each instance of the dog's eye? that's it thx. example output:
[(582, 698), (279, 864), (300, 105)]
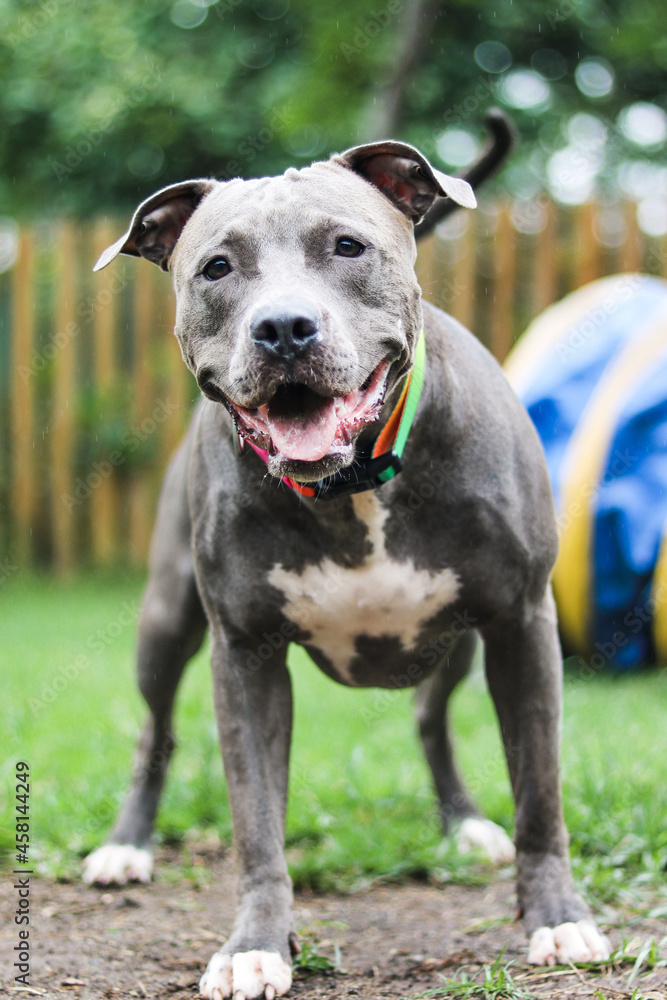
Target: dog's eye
[(216, 268), (347, 247)]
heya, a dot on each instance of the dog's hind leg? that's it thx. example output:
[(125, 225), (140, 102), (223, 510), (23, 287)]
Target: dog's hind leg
[(524, 672), (171, 629), (460, 815)]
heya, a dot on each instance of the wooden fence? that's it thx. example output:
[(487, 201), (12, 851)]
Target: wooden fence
[(94, 395)]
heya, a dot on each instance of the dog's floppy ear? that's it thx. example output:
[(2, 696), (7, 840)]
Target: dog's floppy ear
[(405, 177), (158, 222)]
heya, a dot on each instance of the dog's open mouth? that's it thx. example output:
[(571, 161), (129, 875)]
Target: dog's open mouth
[(299, 425)]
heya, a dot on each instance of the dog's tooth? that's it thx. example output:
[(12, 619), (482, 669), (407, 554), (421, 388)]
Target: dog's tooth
[(343, 408)]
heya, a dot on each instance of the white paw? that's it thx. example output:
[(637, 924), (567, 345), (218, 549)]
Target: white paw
[(580, 942), (246, 974), (482, 834), (118, 863)]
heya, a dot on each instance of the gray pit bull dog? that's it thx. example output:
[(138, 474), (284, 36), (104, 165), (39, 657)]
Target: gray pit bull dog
[(299, 313)]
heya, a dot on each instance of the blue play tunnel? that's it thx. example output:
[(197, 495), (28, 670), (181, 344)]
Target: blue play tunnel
[(592, 372)]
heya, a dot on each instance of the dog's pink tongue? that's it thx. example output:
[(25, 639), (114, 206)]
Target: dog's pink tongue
[(307, 436)]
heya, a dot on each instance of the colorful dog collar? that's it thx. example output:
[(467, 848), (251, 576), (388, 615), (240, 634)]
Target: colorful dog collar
[(384, 462)]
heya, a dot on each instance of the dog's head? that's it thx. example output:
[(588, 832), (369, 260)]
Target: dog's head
[(297, 303)]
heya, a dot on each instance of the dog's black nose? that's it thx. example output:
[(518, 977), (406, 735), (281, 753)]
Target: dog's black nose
[(286, 331)]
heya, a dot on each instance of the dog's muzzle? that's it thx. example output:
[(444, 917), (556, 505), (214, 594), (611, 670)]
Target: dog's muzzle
[(300, 425)]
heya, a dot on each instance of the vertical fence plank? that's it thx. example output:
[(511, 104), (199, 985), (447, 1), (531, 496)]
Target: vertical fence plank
[(105, 496), (502, 326), (425, 267), (63, 429), (463, 304), (630, 258), (141, 514), (178, 385), (22, 406), (587, 251), (177, 380), (545, 280)]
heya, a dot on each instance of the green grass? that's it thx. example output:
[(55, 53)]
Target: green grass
[(493, 982), (361, 805)]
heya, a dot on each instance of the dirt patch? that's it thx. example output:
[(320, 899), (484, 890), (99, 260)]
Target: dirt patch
[(154, 941)]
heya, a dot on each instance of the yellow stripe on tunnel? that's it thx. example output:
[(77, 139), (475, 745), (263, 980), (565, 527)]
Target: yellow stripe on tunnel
[(556, 324), (659, 598), (584, 465)]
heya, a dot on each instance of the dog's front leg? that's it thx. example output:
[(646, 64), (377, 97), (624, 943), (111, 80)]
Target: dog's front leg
[(254, 714), (523, 665)]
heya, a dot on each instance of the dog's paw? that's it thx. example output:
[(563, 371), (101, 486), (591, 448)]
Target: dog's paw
[(246, 975), (486, 836), (580, 942), (118, 863)]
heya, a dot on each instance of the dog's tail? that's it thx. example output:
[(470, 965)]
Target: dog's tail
[(502, 138)]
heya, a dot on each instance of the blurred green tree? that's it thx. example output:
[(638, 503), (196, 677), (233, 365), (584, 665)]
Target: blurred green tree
[(103, 102)]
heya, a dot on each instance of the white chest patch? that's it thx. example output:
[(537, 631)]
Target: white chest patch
[(382, 597)]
